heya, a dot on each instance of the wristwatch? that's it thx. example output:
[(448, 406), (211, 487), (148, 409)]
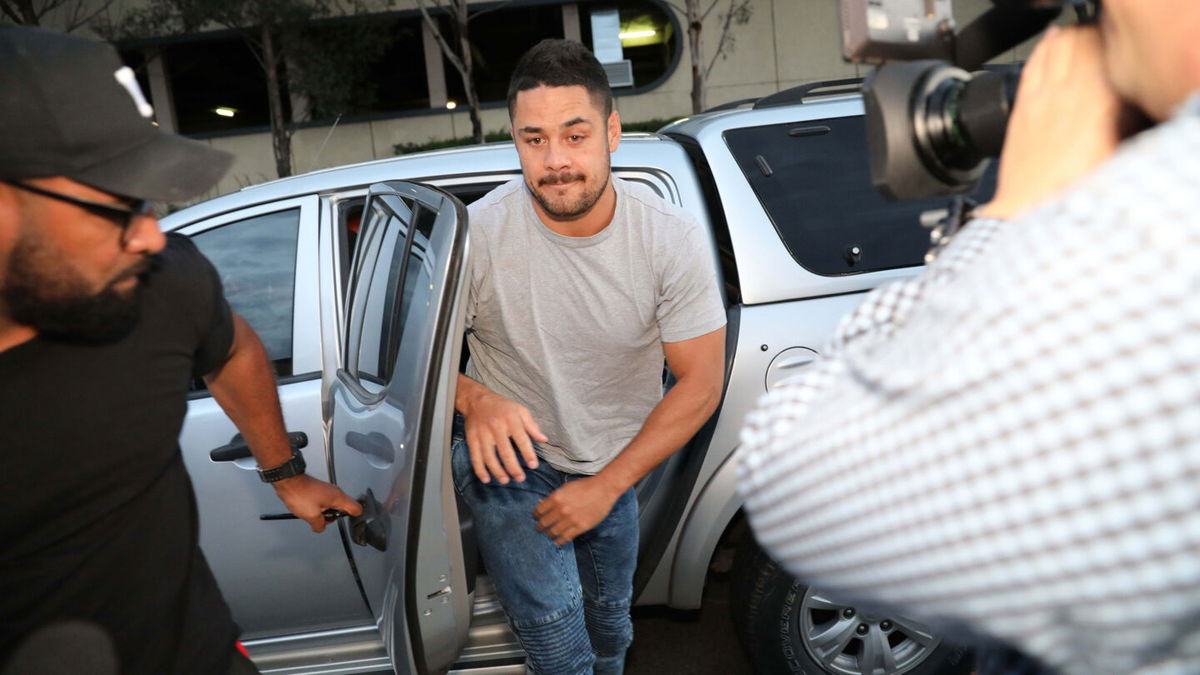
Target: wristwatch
[(293, 467)]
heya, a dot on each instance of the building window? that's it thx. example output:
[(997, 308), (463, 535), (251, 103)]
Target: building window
[(499, 38), (647, 36), (362, 65), (399, 74), (218, 85)]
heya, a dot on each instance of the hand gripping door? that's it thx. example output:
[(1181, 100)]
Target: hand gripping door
[(392, 408)]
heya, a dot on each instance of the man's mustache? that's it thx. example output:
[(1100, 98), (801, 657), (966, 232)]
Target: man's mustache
[(558, 178), (140, 268)]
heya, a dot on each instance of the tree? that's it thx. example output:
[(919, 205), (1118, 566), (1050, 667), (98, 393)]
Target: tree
[(280, 35), (68, 15), (458, 49), (736, 13)]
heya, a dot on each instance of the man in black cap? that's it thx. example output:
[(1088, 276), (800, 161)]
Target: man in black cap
[(103, 323)]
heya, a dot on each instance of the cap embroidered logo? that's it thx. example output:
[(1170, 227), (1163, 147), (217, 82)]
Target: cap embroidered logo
[(127, 79)]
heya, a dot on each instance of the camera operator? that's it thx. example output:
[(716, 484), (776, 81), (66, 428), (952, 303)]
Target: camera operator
[(1010, 442)]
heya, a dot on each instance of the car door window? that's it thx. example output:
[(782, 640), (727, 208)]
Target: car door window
[(814, 180), (399, 276), (380, 274), (256, 259)]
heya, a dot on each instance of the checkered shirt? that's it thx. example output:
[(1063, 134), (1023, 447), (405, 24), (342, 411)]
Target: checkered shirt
[(1011, 440)]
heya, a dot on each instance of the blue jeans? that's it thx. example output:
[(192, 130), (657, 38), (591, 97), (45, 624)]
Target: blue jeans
[(568, 605)]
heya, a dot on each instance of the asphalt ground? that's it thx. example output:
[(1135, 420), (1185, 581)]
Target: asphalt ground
[(699, 642)]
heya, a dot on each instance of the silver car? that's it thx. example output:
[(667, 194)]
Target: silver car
[(354, 279)]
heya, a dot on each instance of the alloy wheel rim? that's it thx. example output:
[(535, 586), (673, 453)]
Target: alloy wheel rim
[(846, 641)]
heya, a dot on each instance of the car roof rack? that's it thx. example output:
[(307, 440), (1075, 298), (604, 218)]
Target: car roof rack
[(797, 94), (733, 104)]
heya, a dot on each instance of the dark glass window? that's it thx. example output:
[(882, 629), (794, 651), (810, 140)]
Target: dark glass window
[(256, 259), (399, 74), (211, 73), (372, 351), (362, 65), (398, 287), (814, 181), (649, 42), (499, 38)]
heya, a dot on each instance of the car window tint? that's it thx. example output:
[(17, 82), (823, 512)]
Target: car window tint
[(417, 291), (349, 222), (399, 284), (256, 259), (814, 181), (372, 365)]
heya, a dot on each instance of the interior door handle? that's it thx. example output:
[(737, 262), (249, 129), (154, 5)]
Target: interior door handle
[(373, 445), (371, 528), (237, 448)]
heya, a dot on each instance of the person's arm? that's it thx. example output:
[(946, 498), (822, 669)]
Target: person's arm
[(872, 474), (699, 368), (245, 389), (492, 424)]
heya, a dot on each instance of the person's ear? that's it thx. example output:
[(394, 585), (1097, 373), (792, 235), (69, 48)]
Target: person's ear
[(614, 130)]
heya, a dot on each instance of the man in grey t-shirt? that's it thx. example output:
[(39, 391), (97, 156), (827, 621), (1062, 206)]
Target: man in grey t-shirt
[(581, 284)]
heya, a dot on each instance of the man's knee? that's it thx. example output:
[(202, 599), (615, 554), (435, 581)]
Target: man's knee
[(609, 627), (556, 644)]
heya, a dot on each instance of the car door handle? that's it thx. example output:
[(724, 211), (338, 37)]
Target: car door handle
[(237, 448), (329, 515), (373, 445)]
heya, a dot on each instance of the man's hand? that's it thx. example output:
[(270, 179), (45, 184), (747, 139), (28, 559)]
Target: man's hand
[(575, 508), (1067, 119), (493, 424), (307, 497)]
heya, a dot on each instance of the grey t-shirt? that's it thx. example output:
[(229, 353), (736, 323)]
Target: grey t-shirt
[(572, 327)]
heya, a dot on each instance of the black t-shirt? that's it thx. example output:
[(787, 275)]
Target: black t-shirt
[(99, 518)]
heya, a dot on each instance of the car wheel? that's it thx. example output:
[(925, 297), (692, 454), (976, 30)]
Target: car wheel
[(788, 627)]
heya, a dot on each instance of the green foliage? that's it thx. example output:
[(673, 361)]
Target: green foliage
[(503, 135), (331, 64), (442, 143)]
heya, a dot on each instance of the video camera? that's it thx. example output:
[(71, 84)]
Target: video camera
[(933, 123)]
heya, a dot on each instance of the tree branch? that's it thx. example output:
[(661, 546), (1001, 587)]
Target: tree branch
[(79, 18), (10, 10), (489, 10), (722, 40), (677, 8), (441, 40)]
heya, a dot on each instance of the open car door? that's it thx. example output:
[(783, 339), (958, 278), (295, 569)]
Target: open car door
[(393, 404)]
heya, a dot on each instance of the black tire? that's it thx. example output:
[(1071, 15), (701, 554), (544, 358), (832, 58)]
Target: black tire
[(782, 624)]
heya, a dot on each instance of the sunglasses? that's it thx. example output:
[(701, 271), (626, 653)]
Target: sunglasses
[(121, 216)]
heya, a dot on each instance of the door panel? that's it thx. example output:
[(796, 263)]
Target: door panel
[(392, 407), (277, 576)]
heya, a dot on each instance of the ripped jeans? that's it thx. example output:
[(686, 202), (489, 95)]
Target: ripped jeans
[(568, 605)]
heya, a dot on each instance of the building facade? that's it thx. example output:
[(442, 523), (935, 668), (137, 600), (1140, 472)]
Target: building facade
[(209, 84)]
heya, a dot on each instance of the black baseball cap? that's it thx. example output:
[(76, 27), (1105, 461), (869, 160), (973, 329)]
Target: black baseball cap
[(69, 107)]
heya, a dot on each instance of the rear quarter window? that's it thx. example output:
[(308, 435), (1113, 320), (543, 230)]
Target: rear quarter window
[(814, 181)]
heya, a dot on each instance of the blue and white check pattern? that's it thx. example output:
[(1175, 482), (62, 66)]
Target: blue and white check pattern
[(1011, 440)]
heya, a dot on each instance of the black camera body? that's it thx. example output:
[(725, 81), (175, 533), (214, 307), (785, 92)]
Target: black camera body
[(934, 119)]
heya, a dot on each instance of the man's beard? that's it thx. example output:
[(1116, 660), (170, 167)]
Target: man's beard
[(41, 290), (568, 210)]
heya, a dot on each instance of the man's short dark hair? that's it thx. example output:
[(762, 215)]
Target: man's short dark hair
[(560, 63)]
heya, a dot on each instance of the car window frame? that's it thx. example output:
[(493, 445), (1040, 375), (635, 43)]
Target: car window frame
[(306, 329)]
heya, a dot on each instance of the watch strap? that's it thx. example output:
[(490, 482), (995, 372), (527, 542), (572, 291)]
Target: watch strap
[(293, 467)]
